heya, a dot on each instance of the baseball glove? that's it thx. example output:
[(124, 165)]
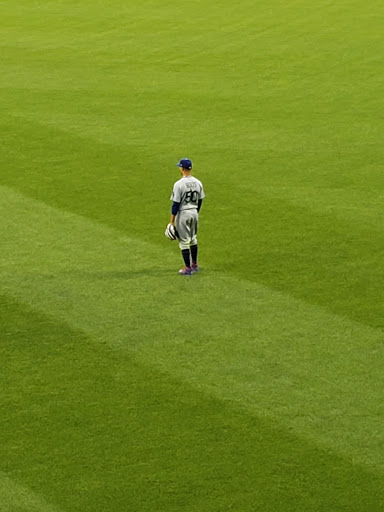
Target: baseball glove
[(171, 232)]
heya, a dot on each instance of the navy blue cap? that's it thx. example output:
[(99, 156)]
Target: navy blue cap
[(185, 163)]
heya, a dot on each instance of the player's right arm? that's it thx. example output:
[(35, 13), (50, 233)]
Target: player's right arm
[(175, 209)]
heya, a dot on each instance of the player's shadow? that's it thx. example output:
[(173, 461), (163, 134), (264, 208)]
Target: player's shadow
[(86, 275), (128, 274)]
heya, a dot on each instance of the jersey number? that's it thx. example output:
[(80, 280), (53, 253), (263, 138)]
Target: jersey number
[(191, 196)]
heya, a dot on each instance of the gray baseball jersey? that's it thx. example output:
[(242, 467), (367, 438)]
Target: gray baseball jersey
[(187, 191)]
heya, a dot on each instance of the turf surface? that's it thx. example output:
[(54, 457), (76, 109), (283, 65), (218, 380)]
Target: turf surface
[(255, 385)]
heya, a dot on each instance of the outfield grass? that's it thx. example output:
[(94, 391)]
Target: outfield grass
[(255, 385)]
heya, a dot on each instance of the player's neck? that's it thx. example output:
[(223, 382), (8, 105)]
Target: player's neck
[(186, 174)]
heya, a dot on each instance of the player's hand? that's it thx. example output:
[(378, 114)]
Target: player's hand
[(171, 232)]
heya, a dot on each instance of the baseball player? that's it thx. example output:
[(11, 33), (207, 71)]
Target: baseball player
[(187, 198)]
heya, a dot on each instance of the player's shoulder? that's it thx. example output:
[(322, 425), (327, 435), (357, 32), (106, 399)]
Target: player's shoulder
[(197, 181), (178, 182)]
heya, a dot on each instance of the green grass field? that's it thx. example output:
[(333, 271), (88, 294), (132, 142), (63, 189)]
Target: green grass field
[(256, 385)]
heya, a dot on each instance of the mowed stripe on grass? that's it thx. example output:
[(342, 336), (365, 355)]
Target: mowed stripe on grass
[(276, 356), (92, 428), (17, 498)]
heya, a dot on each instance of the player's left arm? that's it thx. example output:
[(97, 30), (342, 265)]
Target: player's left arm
[(202, 195)]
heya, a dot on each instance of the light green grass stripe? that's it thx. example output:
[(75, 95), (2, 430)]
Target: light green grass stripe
[(316, 373), (17, 498)]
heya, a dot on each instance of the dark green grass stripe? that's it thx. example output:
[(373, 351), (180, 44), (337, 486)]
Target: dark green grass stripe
[(315, 256), (91, 429)]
